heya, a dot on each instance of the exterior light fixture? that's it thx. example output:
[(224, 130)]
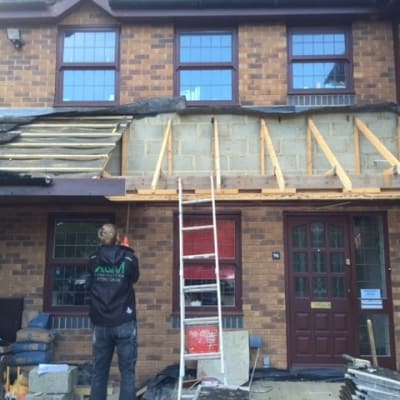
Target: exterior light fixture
[(14, 36)]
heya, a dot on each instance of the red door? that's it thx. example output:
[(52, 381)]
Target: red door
[(320, 307)]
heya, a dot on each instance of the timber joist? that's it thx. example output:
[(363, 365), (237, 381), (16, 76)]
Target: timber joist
[(335, 184)]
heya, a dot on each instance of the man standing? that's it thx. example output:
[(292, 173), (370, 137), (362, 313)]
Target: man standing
[(113, 270)]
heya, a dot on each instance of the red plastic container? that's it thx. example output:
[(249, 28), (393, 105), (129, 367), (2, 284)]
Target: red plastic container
[(202, 339)]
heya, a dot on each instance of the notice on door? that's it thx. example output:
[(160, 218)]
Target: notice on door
[(371, 299)]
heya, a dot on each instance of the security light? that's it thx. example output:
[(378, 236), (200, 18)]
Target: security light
[(14, 36)]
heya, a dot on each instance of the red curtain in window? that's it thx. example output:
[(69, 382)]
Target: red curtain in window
[(201, 241), (200, 272)]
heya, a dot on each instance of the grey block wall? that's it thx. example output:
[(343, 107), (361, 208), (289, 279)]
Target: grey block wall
[(239, 141)]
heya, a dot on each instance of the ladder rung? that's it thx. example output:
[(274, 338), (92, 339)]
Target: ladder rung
[(197, 227), (204, 255), (201, 320), (196, 201), (209, 287), (202, 356), (188, 395)]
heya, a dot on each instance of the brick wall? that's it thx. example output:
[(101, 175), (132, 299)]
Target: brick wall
[(27, 76), (374, 71), (22, 263)]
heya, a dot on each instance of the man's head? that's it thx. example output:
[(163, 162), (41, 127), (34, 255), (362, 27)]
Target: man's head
[(108, 234)]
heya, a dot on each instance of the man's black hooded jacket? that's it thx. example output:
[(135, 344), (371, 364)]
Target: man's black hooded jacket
[(113, 270)]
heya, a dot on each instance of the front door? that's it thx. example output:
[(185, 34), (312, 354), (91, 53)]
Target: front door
[(334, 262)]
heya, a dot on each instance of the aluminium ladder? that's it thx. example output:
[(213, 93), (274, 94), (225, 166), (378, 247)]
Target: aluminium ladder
[(184, 290)]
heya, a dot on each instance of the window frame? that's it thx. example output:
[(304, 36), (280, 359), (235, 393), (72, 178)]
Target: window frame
[(236, 262), (201, 66), (346, 58), (63, 66), (52, 262)]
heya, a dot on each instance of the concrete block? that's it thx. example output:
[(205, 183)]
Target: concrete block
[(53, 382)]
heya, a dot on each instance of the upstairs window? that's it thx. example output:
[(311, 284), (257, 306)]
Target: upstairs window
[(88, 66), (320, 61), (206, 66)]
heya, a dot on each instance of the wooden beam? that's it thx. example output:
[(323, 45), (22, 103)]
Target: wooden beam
[(33, 156), (91, 134), (217, 159), (170, 154), (357, 158), (398, 137), (310, 168), (157, 171), (262, 153), (124, 152), (59, 144), (379, 146), (346, 182), (272, 153), (51, 169), (270, 195)]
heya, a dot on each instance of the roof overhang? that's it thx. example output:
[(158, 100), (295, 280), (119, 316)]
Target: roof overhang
[(44, 11), (62, 187)]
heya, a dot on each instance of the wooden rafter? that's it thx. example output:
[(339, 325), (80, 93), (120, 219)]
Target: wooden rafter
[(157, 172), (379, 146), (337, 168), (272, 153), (217, 160)]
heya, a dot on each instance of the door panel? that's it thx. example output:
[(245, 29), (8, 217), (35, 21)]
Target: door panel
[(320, 309)]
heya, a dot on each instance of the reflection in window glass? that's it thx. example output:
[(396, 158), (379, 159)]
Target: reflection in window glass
[(380, 324), (319, 61), (89, 85), (205, 69), (320, 288), (317, 234), (88, 66), (206, 85), (318, 261), (318, 44), (369, 253), (73, 241), (300, 262), (327, 75), (299, 236), (205, 48), (301, 286)]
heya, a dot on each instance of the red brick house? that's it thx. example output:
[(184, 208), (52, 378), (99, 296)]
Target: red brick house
[(293, 106)]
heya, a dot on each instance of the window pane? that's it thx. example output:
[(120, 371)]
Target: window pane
[(369, 253), (338, 287), (301, 287), (319, 75), (205, 47), (380, 324), (300, 262), (89, 47), (89, 85), (203, 274), (317, 235), (318, 44), (299, 237), (74, 239), (203, 85), (320, 288), (69, 286), (318, 262)]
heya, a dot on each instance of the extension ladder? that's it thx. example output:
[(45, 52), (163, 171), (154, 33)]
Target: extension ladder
[(214, 321)]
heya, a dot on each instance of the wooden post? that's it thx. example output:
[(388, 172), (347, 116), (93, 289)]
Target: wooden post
[(262, 150), (372, 343), (357, 160)]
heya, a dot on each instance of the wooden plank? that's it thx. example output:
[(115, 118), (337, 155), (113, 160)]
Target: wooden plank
[(90, 134), (330, 156), (58, 144), (262, 153), (51, 169), (157, 170), (379, 146), (272, 153), (124, 152), (217, 160), (170, 153), (310, 167), (27, 156), (357, 158)]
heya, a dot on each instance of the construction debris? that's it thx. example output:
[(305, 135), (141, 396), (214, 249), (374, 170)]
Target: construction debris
[(363, 382)]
